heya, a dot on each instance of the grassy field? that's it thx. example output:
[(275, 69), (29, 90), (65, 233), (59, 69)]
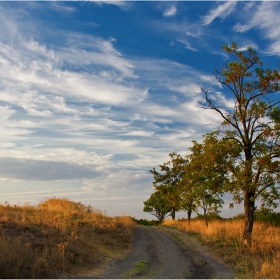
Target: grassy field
[(225, 239), (59, 238)]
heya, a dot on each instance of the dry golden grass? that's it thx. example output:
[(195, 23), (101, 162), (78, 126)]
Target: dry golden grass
[(225, 238), (59, 238)]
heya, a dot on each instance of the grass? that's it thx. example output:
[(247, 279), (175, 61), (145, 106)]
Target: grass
[(59, 238), (225, 238), (139, 269)]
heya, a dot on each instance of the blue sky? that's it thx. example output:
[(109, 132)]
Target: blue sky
[(95, 94)]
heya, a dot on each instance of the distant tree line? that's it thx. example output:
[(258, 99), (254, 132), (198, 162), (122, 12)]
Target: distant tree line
[(241, 157)]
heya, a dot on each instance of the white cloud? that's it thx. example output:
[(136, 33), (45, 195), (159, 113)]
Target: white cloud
[(275, 48), (123, 5), (30, 70), (62, 8), (11, 128), (119, 184), (27, 169), (170, 12), (245, 46), (187, 45), (220, 11), (194, 35), (7, 145), (64, 98), (243, 27), (264, 16), (189, 89), (141, 133), (201, 117), (98, 52)]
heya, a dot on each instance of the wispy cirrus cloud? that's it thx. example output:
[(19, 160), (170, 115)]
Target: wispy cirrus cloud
[(187, 45), (170, 12), (264, 16), (194, 35), (62, 8), (219, 11), (123, 5)]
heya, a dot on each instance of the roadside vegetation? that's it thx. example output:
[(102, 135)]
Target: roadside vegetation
[(59, 238), (224, 237)]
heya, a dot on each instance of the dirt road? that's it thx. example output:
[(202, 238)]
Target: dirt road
[(164, 253)]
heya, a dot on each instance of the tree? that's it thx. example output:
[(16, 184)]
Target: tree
[(206, 174), (251, 121), (157, 206), (187, 198), (167, 182)]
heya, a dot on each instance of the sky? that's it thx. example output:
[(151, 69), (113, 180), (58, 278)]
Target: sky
[(95, 94)]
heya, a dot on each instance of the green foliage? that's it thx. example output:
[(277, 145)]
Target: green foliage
[(264, 216), (157, 205), (210, 217), (269, 217), (145, 222), (240, 216), (167, 182), (205, 174)]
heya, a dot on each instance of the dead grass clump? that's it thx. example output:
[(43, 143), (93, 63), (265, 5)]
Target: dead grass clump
[(57, 238), (225, 238)]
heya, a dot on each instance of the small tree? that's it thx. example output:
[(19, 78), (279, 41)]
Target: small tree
[(252, 123), (168, 181), (157, 206), (187, 198), (206, 174)]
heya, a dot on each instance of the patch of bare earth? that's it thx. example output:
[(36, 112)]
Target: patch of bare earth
[(164, 253)]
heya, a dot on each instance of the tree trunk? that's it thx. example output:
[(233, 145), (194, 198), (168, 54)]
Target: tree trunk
[(205, 217), (249, 209), (249, 201), (173, 213), (189, 216)]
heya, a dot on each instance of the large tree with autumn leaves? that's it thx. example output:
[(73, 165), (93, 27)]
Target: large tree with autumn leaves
[(252, 124)]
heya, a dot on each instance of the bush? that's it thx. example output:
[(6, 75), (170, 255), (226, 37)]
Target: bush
[(145, 222), (210, 217), (269, 217), (239, 216), (264, 216)]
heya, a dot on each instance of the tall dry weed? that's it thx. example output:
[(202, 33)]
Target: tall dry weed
[(225, 237)]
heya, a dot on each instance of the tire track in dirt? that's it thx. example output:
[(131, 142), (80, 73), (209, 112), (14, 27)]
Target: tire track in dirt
[(157, 254)]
